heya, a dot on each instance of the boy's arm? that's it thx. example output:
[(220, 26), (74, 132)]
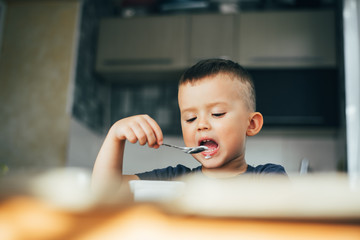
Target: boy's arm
[(109, 162)]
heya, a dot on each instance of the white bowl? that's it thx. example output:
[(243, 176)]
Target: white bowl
[(156, 191)]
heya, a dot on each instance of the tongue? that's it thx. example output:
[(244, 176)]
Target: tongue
[(210, 144)]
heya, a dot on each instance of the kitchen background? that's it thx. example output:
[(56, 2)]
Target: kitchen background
[(70, 69)]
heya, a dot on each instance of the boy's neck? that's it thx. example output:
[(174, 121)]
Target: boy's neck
[(225, 171)]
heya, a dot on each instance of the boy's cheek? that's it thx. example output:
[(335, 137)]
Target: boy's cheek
[(188, 136)]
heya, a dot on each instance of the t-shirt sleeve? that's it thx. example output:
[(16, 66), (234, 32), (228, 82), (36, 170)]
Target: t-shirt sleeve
[(273, 169), (265, 169), (164, 174)]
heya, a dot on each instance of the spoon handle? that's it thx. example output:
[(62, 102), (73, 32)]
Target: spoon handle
[(177, 147)]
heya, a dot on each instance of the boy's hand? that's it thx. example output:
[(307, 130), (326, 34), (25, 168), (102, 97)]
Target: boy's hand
[(140, 128)]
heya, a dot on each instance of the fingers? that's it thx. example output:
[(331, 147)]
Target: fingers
[(141, 128), (156, 130), (143, 132)]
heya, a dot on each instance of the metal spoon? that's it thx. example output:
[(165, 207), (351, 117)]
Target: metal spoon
[(190, 150)]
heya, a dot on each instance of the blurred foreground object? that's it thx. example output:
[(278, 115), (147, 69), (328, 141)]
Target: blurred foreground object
[(313, 196), (59, 204), (4, 169), (67, 189)]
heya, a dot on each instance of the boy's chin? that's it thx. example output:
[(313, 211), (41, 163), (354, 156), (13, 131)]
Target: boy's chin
[(210, 163)]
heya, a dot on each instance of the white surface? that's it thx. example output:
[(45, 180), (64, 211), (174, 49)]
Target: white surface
[(288, 151), (156, 191), (84, 145)]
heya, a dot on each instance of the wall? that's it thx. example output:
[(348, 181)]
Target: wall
[(84, 144), (351, 20), (36, 66)]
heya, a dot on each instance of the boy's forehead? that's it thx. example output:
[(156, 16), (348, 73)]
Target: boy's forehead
[(214, 87), (208, 78), (222, 83)]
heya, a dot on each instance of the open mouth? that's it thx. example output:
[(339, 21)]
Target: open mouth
[(211, 144)]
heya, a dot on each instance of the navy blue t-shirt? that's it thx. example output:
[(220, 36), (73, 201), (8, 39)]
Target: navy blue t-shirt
[(171, 173)]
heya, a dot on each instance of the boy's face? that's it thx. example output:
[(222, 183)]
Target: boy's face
[(214, 114)]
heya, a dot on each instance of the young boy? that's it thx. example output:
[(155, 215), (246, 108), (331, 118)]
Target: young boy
[(217, 104)]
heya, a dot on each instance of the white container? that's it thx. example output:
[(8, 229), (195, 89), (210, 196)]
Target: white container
[(156, 191)]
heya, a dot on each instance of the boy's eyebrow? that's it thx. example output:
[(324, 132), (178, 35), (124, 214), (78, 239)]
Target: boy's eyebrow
[(210, 105)]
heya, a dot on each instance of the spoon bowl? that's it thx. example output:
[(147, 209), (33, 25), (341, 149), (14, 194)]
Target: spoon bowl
[(189, 150)]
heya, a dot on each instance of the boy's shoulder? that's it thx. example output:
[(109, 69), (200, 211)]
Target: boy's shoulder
[(268, 168), (168, 173)]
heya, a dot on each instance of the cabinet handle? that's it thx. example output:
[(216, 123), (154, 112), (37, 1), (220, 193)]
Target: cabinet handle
[(286, 59), (129, 62), (195, 60)]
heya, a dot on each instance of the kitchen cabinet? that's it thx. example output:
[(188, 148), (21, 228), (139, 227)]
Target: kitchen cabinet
[(286, 39), (161, 47), (144, 45), (211, 35)]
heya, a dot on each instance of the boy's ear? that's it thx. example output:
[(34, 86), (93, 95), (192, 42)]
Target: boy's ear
[(256, 123)]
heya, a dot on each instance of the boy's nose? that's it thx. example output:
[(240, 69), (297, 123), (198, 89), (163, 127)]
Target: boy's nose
[(203, 124)]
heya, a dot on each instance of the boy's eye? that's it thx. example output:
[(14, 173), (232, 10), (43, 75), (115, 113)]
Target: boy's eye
[(218, 114), (191, 119)]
